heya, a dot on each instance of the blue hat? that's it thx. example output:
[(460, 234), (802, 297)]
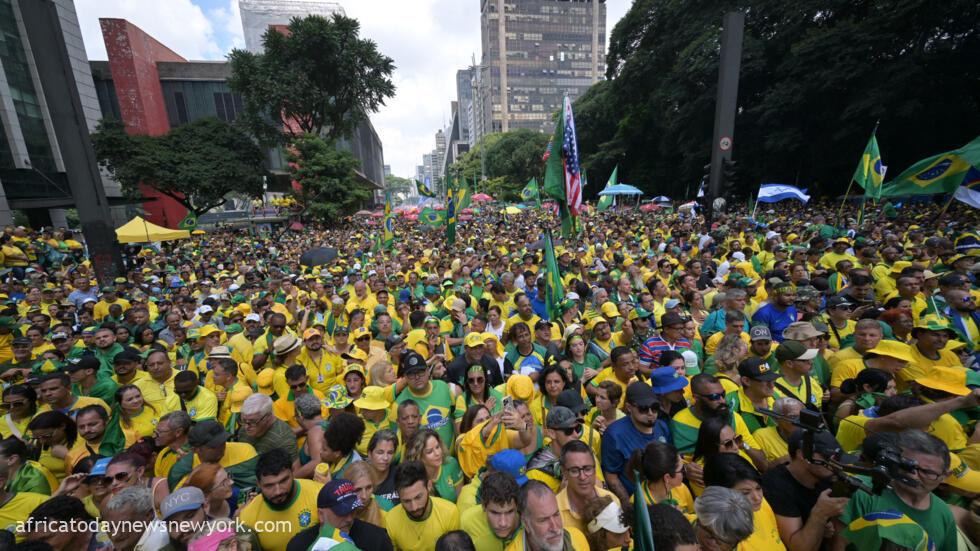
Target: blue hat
[(100, 466), (510, 462), (339, 496), (666, 379)]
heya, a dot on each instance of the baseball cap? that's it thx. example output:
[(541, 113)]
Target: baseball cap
[(21, 341), (59, 336), (355, 353), (760, 333), (664, 380), (253, 317), (639, 313), (756, 369), (542, 324), (339, 496), (800, 330), (188, 498), (961, 476), (205, 309), (672, 303), (473, 340), (127, 355), (610, 518), (412, 362), (392, 341), (824, 443), (208, 433), (85, 362), (795, 350), (572, 400), (311, 332), (641, 394), (671, 318), (511, 462), (609, 310), (837, 302), (560, 417)]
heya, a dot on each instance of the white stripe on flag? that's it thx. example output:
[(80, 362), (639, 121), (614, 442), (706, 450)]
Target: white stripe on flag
[(969, 196)]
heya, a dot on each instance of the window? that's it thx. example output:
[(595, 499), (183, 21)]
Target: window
[(181, 107)]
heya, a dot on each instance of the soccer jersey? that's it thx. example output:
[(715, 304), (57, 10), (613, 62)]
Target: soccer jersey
[(435, 408), (685, 425), (300, 512), (421, 535), (18, 509), (203, 405)]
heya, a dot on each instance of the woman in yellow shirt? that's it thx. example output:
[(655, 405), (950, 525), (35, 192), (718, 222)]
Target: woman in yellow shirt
[(56, 434), (137, 418), (19, 406), (729, 470)]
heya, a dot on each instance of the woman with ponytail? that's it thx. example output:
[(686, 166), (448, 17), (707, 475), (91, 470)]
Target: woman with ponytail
[(865, 392), (662, 477)]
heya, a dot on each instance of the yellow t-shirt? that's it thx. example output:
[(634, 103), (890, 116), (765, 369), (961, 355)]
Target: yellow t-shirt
[(101, 309), (765, 536), (847, 369), (411, 535), (323, 372), (851, 433), (18, 509), (80, 402), (842, 355), (300, 512), (608, 374), (204, 405), (9, 427), (842, 332), (141, 425), (799, 392), (571, 519), (771, 442)]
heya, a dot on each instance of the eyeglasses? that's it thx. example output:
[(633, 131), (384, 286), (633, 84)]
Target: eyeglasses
[(118, 477), (576, 472), (732, 443), (929, 474), (223, 484), (253, 422), (714, 396), (570, 431)]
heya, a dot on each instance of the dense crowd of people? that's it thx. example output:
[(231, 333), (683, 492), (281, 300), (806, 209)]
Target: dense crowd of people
[(784, 383)]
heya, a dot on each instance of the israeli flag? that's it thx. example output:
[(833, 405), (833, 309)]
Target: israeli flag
[(773, 193)]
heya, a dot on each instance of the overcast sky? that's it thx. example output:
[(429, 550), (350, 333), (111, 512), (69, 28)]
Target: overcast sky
[(428, 39)]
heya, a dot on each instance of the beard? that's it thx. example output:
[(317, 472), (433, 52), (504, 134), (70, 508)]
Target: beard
[(720, 412)]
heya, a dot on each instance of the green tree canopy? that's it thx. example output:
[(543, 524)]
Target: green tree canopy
[(330, 189), (512, 158), (320, 76), (815, 78), (399, 187), (197, 164)]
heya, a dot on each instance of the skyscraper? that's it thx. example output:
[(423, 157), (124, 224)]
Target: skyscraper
[(259, 15), (534, 53), (464, 99)]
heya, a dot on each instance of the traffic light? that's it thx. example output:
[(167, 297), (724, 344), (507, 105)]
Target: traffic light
[(729, 177)]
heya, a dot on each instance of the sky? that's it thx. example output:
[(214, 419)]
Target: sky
[(429, 41)]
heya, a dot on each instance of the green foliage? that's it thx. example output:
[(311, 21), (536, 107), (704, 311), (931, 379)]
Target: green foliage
[(330, 189), (512, 158), (399, 187), (319, 76), (815, 78), (197, 164)]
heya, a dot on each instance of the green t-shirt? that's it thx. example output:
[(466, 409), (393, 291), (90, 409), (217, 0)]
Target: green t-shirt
[(591, 361), (103, 388), (435, 408), (450, 476), (463, 403), (936, 520)]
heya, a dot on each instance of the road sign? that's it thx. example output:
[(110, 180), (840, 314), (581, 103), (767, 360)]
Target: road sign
[(725, 143)]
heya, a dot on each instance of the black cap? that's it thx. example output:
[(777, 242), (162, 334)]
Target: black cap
[(572, 400), (824, 443), (85, 362), (837, 301), (641, 394), (22, 341), (207, 433), (541, 324), (127, 355), (756, 369), (392, 341), (411, 362)]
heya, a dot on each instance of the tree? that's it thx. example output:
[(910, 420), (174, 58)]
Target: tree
[(329, 186), (815, 78), (318, 76), (399, 187), (512, 158), (197, 164)]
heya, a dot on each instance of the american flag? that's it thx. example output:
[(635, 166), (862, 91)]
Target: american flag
[(573, 172), (547, 153)]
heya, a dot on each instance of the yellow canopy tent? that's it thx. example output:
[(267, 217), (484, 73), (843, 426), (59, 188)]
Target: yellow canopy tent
[(138, 230)]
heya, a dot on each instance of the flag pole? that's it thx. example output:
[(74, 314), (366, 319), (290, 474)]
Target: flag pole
[(942, 213)]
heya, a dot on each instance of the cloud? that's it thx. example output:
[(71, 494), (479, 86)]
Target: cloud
[(429, 41)]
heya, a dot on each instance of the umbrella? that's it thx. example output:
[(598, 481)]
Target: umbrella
[(649, 207), (318, 256), (412, 216), (511, 210), (296, 226), (362, 213), (467, 211), (198, 232), (465, 217), (481, 197), (377, 214), (661, 199)]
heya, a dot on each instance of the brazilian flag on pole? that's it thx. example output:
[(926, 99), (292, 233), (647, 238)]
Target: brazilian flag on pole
[(450, 211), (870, 173), (642, 531), (434, 218), (554, 291), (942, 173), (389, 222), (424, 190), (189, 222), (606, 201), (531, 193)]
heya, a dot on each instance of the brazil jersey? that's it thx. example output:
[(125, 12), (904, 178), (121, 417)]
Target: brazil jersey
[(300, 512), (435, 408)]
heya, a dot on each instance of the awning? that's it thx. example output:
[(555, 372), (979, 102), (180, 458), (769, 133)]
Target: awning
[(138, 230)]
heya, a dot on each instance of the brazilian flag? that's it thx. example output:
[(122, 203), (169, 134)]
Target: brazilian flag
[(870, 172), (432, 217), (189, 222), (531, 192), (942, 173), (424, 190)]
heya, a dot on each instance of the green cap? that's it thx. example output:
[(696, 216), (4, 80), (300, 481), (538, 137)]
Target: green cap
[(233, 328), (872, 529), (8, 322), (430, 290)]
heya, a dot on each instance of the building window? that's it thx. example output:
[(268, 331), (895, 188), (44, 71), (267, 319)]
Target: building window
[(181, 107)]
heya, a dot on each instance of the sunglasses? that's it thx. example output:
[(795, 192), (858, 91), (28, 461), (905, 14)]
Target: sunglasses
[(714, 396), (476, 380), (9, 405), (106, 480), (732, 443), (571, 431), (645, 409)]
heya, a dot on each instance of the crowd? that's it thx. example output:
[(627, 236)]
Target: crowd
[(782, 383)]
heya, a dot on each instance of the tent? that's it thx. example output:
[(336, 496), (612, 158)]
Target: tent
[(138, 230), (620, 189)]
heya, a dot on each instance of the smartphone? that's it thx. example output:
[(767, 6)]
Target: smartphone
[(508, 402)]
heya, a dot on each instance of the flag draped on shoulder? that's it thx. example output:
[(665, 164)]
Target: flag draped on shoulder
[(942, 173), (870, 173), (389, 222), (554, 291), (562, 172), (606, 201)]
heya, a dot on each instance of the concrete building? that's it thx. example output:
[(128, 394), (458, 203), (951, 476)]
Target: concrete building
[(259, 15), (153, 89), (464, 99), (534, 53), (32, 171)]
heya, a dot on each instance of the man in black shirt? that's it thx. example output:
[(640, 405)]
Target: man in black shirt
[(474, 354), (336, 504), (799, 492)]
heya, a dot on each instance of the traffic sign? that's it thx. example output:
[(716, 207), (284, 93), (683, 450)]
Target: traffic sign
[(725, 143)]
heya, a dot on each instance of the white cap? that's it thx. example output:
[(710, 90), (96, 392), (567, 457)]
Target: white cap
[(739, 255), (770, 234), (690, 360), (372, 273), (205, 309), (571, 296), (357, 266), (234, 287), (608, 519), (253, 317)]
